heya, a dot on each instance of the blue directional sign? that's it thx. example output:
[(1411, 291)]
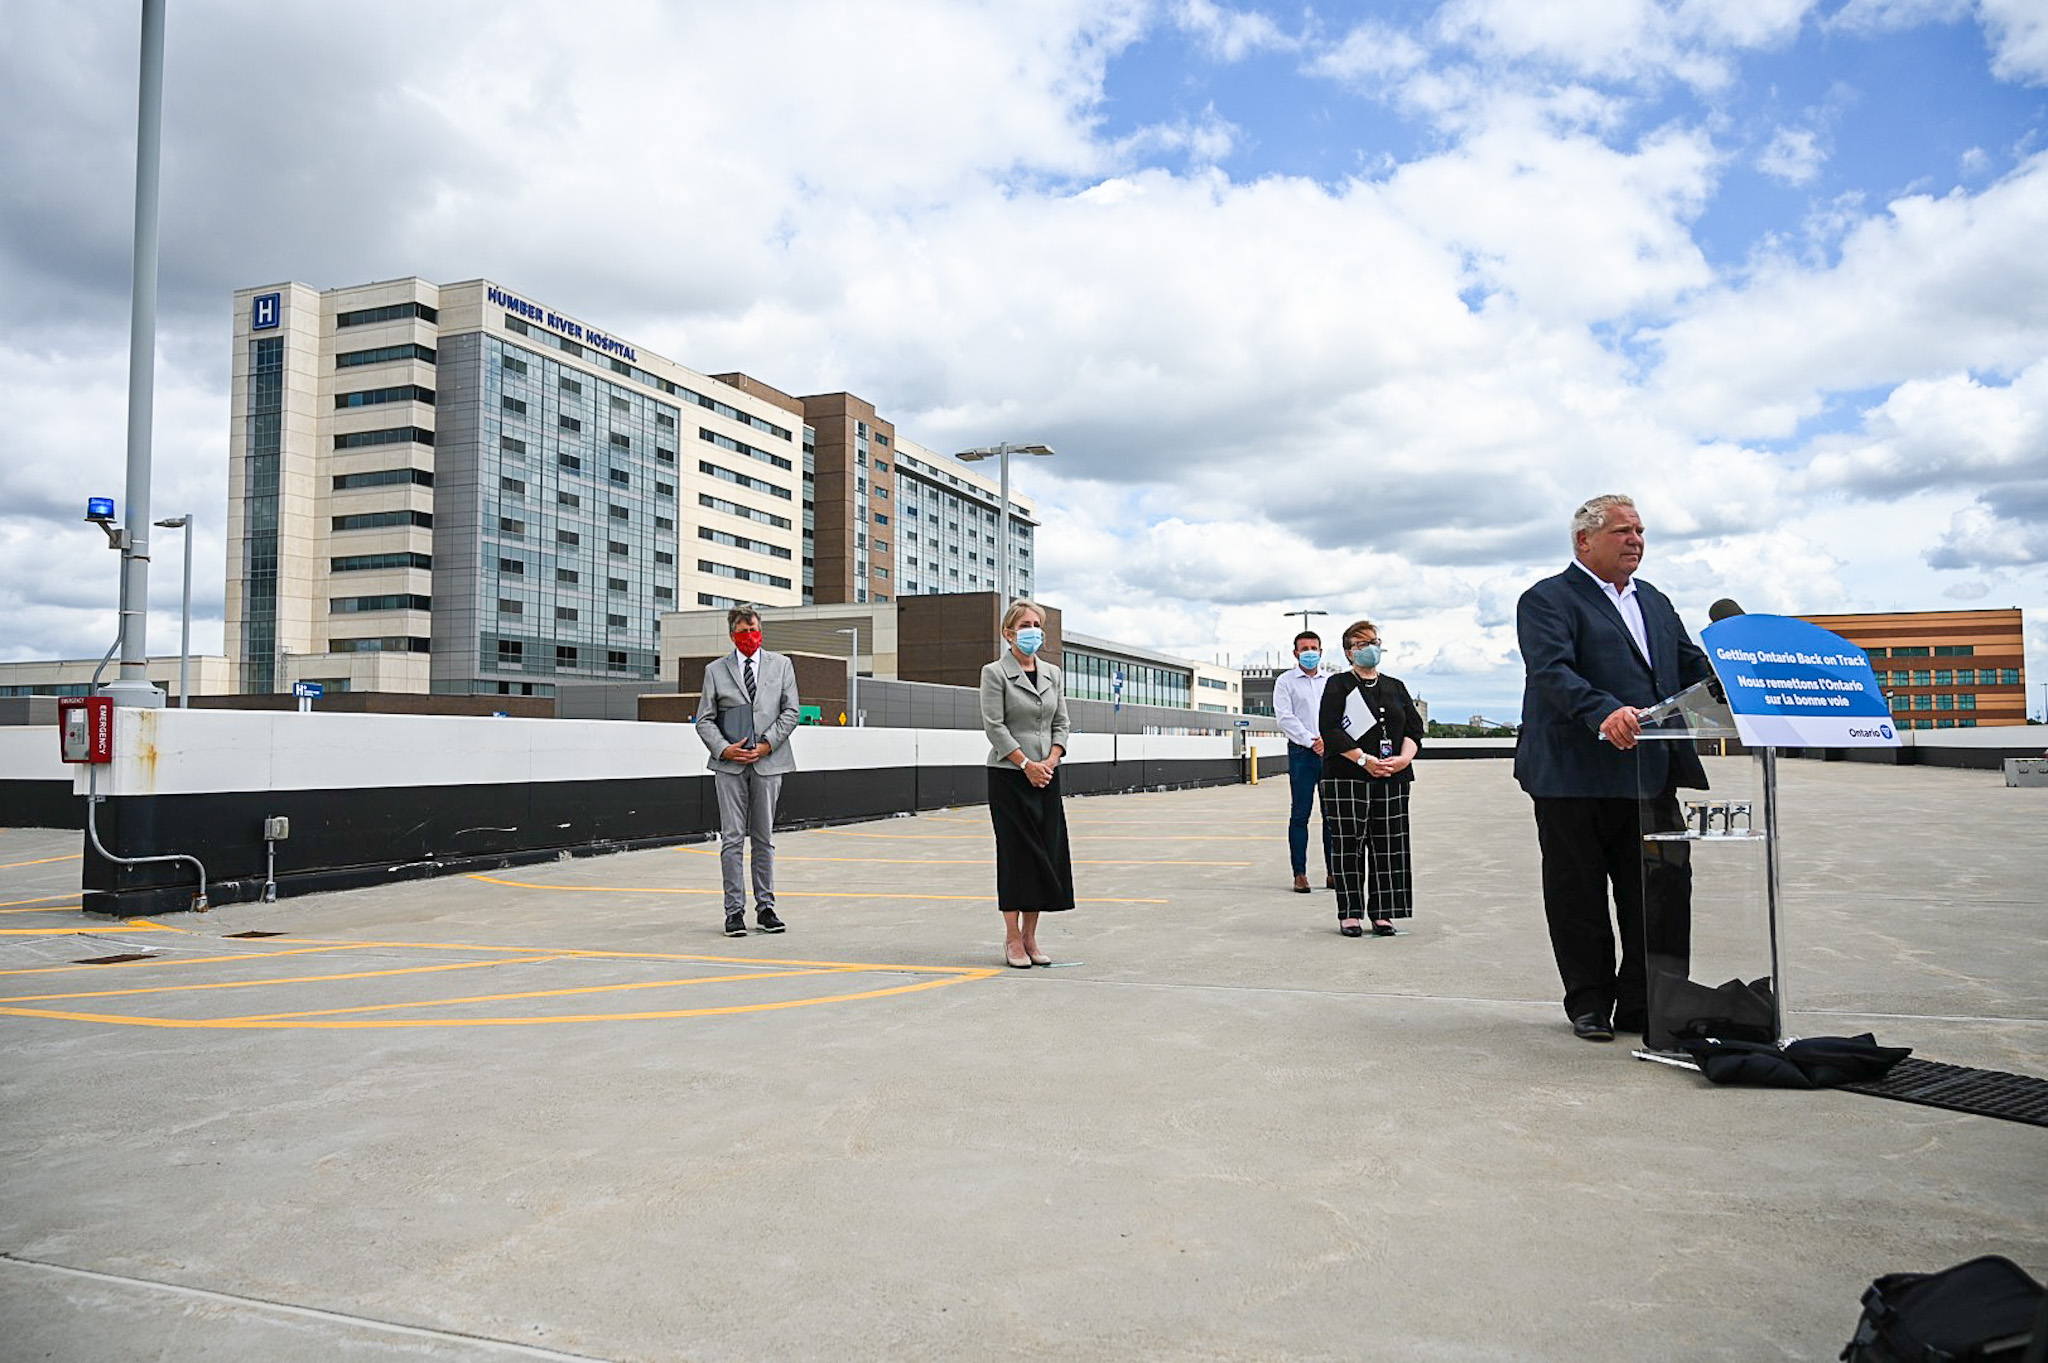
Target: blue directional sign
[(1795, 685), (308, 690), (266, 310)]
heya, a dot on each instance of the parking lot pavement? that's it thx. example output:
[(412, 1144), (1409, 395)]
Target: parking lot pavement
[(551, 1112)]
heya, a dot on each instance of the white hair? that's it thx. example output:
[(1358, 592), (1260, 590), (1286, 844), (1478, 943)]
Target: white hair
[(1593, 514)]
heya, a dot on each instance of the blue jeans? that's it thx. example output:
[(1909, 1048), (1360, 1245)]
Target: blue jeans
[(1304, 770)]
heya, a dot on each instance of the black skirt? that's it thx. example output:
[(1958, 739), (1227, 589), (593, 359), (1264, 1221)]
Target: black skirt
[(1034, 873)]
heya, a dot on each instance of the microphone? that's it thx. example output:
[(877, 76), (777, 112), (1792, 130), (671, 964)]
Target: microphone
[(1722, 609)]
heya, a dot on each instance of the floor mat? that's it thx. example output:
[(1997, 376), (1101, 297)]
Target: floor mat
[(1982, 1093)]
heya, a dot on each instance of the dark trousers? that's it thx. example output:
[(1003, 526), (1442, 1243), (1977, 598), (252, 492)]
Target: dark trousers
[(1369, 859), (1590, 845), (1034, 869), (1304, 771)]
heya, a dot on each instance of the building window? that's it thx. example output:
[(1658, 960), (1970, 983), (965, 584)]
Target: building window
[(565, 655), (615, 660), (664, 593), (512, 485), (618, 549), (374, 397), (615, 622), (620, 513), (664, 557), (513, 405), (568, 499), (382, 520), (570, 462), (510, 446), (394, 601), (507, 525), (2008, 676), (510, 607), (568, 537), (390, 312), (565, 612), (359, 563), (622, 478), (512, 363), (383, 478), (569, 575), (569, 423), (1955, 650), (511, 653), (390, 435), (352, 359), (621, 441), (511, 567), (617, 584)]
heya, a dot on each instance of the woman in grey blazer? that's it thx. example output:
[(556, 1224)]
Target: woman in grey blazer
[(1024, 714)]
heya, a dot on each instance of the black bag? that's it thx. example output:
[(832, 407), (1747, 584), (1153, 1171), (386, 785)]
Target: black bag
[(1983, 1311)]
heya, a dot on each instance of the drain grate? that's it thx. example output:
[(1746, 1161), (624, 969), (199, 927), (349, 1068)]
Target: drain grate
[(1982, 1093), (255, 934), (116, 960)]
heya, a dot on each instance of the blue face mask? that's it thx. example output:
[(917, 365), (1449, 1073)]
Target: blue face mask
[(1310, 659), (1030, 639), (1366, 656)]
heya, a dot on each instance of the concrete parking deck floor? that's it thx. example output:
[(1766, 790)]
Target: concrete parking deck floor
[(552, 1113)]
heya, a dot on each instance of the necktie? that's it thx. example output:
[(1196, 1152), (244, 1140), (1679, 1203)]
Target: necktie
[(753, 694)]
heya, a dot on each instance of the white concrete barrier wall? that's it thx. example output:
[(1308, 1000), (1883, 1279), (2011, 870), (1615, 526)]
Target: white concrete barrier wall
[(189, 752)]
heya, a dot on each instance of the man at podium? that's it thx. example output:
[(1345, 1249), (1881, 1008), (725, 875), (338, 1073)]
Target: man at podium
[(1598, 644)]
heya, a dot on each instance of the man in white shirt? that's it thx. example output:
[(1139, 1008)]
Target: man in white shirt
[(1297, 701)]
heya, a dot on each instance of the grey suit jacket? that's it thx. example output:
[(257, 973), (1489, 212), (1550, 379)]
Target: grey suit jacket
[(1016, 714), (776, 709)]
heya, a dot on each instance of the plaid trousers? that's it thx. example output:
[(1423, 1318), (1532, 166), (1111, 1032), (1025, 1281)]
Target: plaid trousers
[(1368, 825)]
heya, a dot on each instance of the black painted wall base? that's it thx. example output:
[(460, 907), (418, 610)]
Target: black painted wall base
[(350, 839)]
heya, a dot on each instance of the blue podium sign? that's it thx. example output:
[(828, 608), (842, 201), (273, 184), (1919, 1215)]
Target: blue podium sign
[(1794, 685)]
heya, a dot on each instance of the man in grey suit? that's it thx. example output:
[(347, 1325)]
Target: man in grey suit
[(745, 717), (1599, 644)]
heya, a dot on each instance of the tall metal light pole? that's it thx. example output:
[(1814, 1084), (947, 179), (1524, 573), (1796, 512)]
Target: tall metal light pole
[(133, 687), (1001, 454), (184, 523), (853, 678), (1304, 617)]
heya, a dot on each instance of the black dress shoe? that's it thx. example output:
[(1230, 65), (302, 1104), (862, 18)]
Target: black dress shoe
[(735, 925), (1383, 929), (1592, 1027), (1351, 927), (768, 922)]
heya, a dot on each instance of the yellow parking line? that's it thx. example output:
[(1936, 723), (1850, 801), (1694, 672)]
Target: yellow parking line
[(779, 894), (65, 930), (275, 979), (527, 994), (963, 861), (47, 908), (41, 861), (68, 894), (966, 974), (193, 960)]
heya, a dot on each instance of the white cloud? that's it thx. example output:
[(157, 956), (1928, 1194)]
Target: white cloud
[(1369, 52), (2018, 33), (1794, 156), (1231, 35), (1691, 41)]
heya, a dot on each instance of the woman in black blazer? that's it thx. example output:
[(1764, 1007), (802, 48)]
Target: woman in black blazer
[(1371, 733)]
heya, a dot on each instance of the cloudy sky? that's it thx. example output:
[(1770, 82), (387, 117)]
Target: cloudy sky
[(1332, 306)]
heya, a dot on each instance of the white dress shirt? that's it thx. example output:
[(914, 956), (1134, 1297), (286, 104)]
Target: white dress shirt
[(1297, 704), (1624, 599)]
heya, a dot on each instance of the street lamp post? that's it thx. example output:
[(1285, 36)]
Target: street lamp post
[(1304, 617), (1001, 454), (853, 677), (184, 523)]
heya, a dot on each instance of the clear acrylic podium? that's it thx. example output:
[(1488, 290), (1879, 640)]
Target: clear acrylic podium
[(1711, 926)]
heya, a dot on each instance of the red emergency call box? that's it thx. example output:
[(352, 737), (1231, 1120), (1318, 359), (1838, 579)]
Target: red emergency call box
[(85, 728)]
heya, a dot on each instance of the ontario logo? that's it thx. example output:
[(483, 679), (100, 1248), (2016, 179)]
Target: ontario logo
[(1881, 731)]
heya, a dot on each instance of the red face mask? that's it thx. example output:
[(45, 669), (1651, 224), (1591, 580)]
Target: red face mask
[(748, 641)]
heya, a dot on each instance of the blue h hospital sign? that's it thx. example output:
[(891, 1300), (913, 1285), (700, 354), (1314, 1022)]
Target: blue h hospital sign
[(264, 310)]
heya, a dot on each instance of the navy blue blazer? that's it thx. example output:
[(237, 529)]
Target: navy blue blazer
[(1582, 664)]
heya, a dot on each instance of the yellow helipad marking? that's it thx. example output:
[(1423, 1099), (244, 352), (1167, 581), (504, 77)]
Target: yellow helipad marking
[(730, 970), (45, 899), (47, 908), (181, 960), (780, 894), (40, 861)]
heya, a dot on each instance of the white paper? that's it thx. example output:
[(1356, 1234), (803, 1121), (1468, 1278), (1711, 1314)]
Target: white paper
[(1358, 716)]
